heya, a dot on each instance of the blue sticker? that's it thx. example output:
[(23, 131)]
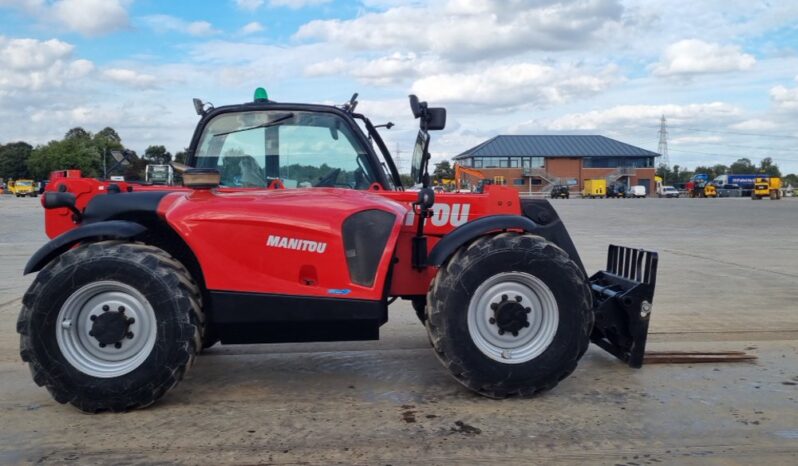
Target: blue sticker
[(339, 291)]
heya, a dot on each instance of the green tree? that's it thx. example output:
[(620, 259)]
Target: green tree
[(708, 170), (791, 179), (14, 160), (181, 156), (742, 166), (157, 154), (77, 133), (107, 140), (70, 153), (720, 169), (768, 167), (443, 170)]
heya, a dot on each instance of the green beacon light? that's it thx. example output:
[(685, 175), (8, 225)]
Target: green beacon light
[(261, 95)]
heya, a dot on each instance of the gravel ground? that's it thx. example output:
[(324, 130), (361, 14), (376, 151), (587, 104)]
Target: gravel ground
[(727, 281)]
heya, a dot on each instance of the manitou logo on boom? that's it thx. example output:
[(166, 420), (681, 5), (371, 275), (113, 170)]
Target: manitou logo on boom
[(443, 214), (296, 244)]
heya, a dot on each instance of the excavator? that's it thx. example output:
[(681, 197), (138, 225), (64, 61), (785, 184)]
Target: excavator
[(459, 171)]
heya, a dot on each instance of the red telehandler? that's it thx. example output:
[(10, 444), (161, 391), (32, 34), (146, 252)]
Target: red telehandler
[(292, 225)]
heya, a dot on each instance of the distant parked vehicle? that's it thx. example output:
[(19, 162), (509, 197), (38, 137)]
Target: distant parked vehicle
[(637, 191), (616, 190), (668, 191), (729, 190), (560, 191), (595, 188)]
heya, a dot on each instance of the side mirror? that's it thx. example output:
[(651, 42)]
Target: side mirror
[(436, 118)]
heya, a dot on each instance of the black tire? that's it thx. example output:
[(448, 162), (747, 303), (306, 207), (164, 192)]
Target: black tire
[(159, 278), (454, 286)]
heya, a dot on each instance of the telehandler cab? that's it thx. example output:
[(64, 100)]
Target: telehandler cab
[(291, 227)]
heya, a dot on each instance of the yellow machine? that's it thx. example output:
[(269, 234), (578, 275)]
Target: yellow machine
[(594, 189), (767, 187), (710, 190), (22, 188)]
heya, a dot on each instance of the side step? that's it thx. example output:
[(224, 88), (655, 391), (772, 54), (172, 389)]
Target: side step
[(622, 300)]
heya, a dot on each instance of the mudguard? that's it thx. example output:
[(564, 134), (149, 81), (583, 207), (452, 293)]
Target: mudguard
[(113, 229), (539, 218)]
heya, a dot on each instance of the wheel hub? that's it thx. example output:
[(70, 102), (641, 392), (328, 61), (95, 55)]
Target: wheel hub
[(111, 327), (510, 315)]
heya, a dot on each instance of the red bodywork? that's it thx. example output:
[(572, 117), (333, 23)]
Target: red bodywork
[(228, 231)]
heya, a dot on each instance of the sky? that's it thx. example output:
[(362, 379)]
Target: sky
[(724, 73)]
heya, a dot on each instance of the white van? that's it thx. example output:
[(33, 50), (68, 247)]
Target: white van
[(636, 191)]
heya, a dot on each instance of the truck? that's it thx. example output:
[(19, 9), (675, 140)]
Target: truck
[(700, 186), (137, 279), (744, 181), (595, 188), (23, 187), (767, 186)]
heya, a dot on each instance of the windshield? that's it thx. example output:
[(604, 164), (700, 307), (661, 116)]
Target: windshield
[(23, 183), (301, 149)]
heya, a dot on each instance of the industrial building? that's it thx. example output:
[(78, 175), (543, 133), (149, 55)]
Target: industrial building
[(535, 163)]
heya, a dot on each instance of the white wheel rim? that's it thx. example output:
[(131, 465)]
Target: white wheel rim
[(85, 352), (532, 340)]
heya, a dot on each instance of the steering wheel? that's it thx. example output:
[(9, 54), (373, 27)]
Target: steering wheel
[(328, 180)]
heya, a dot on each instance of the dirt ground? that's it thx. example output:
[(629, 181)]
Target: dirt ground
[(727, 280)]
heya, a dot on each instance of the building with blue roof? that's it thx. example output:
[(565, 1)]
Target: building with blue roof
[(535, 163)]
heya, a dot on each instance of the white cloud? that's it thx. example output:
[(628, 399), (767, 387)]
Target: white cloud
[(632, 116), (162, 23), (130, 78), (252, 28), (755, 124), (464, 30), (382, 71), (514, 85), (693, 56), (86, 17), (785, 98), (31, 64), (91, 17)]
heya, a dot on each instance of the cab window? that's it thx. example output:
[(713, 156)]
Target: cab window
[(301, 149)]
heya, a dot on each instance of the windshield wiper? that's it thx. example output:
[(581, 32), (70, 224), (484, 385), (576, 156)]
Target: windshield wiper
[(275, 122)]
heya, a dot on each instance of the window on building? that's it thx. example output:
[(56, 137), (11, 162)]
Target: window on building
[(618, 162), (504, 163), (538, 162), (477, 162), (536, 181), (490, 162), (498, 180), (515, 162), (519, 182)]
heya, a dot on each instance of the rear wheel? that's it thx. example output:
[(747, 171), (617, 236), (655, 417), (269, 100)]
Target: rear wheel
[(110, 326), (510, 315)]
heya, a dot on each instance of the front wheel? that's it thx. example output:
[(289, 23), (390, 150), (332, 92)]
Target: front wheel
[(510, 314), (110, 326)]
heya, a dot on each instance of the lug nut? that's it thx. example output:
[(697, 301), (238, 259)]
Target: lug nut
[(518, 298), (504, 297), (528, 310), (129, 334), (92, 318), (118, 344), (102, 345), (91, 333), (106, 308), (121, 309), (515, 334), (492, 320), (501, 332), (494, 306), (131, 321), (526, 324)]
